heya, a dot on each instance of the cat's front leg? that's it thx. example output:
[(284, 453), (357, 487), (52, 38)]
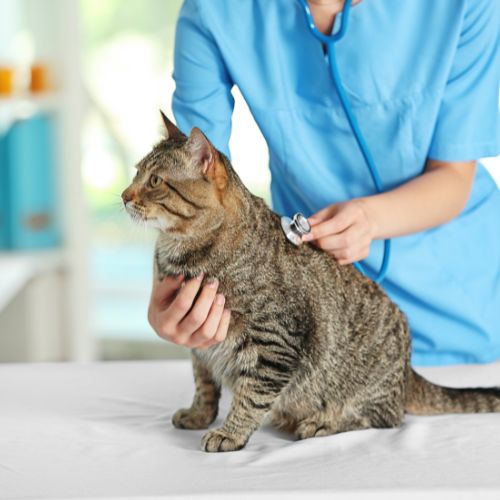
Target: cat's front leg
[(205, 403), (254, 394)]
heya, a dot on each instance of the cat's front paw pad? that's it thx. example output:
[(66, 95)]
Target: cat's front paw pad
[(191, 419), (218, 440), (309, 429)]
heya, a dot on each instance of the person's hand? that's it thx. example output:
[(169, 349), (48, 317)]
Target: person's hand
[(181, 319), (343, 230)]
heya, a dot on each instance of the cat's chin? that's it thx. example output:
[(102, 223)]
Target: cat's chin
[(152, 224), (158, 224)]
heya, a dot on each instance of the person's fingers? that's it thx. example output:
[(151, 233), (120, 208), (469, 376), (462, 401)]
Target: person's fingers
[(362, 254), (222, 330), (165, 289), (336, 224), (181, 305), (352, 237), (332, 243), (162, 294), (221, 333), (199, 312), (206, 332), (323, 214), (348, 256)]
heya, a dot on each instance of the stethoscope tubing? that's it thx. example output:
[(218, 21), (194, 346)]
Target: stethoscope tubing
[(329, 41)]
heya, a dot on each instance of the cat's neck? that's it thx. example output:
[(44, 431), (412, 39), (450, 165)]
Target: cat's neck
[(248, 223)]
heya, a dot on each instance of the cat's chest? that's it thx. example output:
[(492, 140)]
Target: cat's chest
[(166, 266), (235, 286), (220, 359), (226, 361)]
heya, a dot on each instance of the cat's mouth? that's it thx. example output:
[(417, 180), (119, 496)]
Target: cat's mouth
[(139, 215)]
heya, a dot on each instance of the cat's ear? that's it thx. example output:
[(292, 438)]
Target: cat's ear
[(206, 158), (171, 131), (202, 152)]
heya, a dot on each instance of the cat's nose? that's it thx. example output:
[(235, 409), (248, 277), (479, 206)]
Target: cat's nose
[(127, 195)]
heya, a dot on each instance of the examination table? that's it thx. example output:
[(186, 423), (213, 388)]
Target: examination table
[(103, 431)]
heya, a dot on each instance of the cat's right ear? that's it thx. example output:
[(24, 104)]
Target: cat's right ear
[(171, 131)]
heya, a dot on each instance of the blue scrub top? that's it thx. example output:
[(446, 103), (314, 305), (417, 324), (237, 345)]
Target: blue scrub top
[(422, 77)]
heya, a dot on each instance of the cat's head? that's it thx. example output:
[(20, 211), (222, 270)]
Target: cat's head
[(181, 186)]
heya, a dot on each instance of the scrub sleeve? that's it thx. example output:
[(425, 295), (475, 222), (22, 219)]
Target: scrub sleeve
[(468, 126), (203, 85)]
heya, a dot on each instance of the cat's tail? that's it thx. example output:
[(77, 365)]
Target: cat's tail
[(426, 398)]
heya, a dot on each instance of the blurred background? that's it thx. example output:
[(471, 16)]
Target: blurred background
[(81, 82)]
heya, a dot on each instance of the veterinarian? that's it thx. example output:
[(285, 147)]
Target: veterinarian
[(422, 78)]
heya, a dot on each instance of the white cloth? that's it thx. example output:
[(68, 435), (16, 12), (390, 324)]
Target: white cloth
[(103, 430)]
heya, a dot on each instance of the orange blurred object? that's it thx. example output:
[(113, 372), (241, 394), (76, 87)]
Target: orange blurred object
[(40, 78), (6, 80)]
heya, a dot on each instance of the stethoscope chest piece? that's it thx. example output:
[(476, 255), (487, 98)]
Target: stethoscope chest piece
[(295, 228)]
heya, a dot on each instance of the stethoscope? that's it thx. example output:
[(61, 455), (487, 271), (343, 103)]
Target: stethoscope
[(296, 227)]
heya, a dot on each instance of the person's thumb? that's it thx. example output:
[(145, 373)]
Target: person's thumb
[(164, 290)]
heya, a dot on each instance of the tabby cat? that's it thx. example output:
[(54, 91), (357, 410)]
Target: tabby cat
[(318, 346)]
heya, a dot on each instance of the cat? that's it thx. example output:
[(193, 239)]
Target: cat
[(317, 346)]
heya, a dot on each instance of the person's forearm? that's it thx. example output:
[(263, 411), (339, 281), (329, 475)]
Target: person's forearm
[(429, 200)]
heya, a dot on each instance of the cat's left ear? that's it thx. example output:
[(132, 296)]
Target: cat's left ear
[(171, 130), (206, 157)]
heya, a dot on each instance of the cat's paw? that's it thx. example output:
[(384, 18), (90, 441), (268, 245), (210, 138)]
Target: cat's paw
[(218, 440), (308, 429), (188, 418)]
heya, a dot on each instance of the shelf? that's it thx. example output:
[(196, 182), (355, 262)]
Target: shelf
[(19, 107), (18, 268)]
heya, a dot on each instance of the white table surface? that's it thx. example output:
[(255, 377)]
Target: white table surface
[(103, 431)]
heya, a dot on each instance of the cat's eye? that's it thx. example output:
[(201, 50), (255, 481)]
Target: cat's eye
[(154, 181)]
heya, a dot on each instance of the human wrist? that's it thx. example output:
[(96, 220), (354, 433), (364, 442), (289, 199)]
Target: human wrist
[(371, 208)]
